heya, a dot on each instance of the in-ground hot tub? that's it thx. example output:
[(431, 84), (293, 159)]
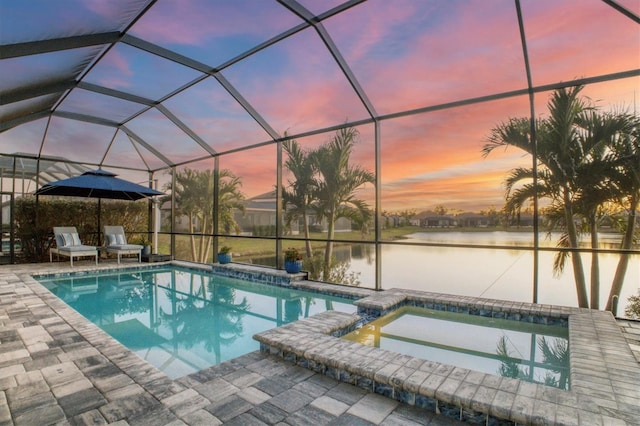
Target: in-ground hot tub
[(537, 353)]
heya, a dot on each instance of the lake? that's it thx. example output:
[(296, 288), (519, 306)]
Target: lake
[(485, 272)]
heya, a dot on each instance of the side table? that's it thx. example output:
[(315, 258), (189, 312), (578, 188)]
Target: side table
[(150, 258)]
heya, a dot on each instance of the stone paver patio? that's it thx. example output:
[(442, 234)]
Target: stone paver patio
[(57, 368)]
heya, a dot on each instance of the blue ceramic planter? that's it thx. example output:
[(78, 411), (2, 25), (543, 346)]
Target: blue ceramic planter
[(293, 266), (224, 258)]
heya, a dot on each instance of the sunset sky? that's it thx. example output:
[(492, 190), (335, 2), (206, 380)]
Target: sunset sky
[(404, 54)]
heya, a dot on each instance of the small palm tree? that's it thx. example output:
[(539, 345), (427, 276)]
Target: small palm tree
[(336, 185), (193, 193), (299, 196)]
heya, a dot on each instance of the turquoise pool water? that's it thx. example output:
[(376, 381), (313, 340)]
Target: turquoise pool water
[(183, 320), (533, 352)]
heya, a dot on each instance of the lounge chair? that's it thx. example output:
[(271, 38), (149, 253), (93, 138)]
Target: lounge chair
[(68, 244), (115, 241)]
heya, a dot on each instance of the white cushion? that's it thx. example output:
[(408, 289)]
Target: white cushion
[(111, 239), (67, 239), (75, 238), (120, 239)]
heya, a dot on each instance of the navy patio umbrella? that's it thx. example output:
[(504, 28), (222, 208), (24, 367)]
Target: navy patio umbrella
[(98, 184)]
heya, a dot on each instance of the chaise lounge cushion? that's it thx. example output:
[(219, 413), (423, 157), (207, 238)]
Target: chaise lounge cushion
[(76, 249), (67, 239), (116, 242), (119, 242), (68, 244)]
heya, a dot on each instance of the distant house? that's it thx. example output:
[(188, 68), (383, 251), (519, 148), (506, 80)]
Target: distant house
[(414, 221), (475, 220), (430, 219), (260, 214), (523, 219)]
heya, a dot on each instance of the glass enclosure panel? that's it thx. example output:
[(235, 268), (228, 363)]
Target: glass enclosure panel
[(435, 178), (15, 110), (410, 54), (247, 198), (140, 73), (164, 244), (167, 138), (354, 265), (64, 18), (318, 7), (296, 85), (133, 216), (493, 273), (618, 96), (564, 44), (214, 115), (125, 152), (86, 139), (257, 251), (26, 138), (326, 194), (351, 264), (561, 289), (193, 195), (213, 32), (185, 247), (631, 5), (45, 68), (100, 106)]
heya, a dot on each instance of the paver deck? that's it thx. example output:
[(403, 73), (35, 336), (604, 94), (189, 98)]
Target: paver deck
[(58, 368)]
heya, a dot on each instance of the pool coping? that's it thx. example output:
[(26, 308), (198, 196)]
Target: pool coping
[(604, 372)]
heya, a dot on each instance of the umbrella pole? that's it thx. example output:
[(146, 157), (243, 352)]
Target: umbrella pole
[(99, 211)]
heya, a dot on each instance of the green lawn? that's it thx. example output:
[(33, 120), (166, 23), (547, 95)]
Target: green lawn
[(257, 246)]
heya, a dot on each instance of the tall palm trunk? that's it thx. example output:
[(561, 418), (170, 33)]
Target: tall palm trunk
[(307, 243), (623, 263), (328, 252), (192, 238), (576, 259), (595, 263)]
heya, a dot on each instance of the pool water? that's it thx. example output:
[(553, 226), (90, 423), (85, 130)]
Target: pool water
[(532, 352), (183, 320)]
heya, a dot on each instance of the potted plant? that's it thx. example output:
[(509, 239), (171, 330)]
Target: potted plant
[(145, 243), (224, 255), (292, 260)]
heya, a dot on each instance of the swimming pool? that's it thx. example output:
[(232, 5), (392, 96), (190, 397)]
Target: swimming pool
[(536, 353), (182, 320)]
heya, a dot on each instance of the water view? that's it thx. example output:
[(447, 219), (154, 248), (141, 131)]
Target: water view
[(485, 272)]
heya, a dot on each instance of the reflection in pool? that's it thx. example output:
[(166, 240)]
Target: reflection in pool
[(532, 352), (183, 320)]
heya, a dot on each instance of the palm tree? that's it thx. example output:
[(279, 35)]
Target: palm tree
[(587, 163), (230, 198), (558, 151), (625, 178), (194, 199), (603, 189), (298, 198), (336, 185)]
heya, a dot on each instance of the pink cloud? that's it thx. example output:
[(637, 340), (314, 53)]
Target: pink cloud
[(194, 22)]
